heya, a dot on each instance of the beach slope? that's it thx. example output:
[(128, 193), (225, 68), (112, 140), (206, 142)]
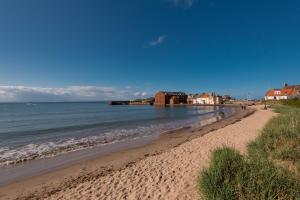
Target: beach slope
[(172, 174)]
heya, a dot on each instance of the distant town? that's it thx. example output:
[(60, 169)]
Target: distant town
[(163, 98)]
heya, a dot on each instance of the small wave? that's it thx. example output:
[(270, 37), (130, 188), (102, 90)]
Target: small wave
[(35, 151)]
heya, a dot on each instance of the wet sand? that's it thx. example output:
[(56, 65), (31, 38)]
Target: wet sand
[(159, 170)]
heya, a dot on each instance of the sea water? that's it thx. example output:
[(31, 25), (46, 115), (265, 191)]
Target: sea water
[(35, 130)]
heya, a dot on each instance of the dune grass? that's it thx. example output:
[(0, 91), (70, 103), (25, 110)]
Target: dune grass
[(280, 140), (270, 171), (291, 102)]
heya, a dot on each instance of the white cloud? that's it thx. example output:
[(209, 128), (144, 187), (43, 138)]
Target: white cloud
[(184, 3), (70, 93), (156, 42), (140, 94)]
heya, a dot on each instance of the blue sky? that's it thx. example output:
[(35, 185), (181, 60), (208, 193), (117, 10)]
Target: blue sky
[(112, 49)]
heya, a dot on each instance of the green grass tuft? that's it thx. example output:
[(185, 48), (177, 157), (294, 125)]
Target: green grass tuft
[(224, 165), (231, 176), (270, 171)]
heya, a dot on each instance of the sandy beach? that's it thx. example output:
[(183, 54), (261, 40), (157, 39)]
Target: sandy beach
[(160, 170), (158, 100)]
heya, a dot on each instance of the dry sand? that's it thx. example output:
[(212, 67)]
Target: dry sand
[(172, 174)]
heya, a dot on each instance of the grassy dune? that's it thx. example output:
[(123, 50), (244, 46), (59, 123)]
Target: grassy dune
[(270, 171)]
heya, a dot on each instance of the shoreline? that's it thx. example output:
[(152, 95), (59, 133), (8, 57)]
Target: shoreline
[(84, 170)]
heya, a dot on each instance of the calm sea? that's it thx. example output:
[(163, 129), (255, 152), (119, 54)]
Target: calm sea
[(34, 130)]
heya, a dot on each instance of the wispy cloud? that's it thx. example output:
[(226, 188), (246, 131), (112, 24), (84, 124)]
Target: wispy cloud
[(184, 3), (140, 94), (70, 93), (156, 42)]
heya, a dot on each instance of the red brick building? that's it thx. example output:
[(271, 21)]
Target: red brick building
[(165, 98)]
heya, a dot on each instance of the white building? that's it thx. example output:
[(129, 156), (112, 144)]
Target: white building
[(205, 98), (287, 92)]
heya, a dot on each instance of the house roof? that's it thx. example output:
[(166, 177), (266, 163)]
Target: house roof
[(271, 92), (204, 95), (283, 92)]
